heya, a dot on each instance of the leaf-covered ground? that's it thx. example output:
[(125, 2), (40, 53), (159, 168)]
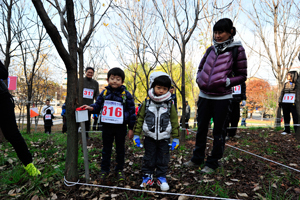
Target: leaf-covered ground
[(241, 175)]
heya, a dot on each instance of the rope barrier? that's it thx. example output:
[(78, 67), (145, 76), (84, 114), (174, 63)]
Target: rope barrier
[(69, 183), (255, 155)]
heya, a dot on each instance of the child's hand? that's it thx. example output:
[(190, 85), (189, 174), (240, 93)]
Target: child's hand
[(175, 144), (89, 108), (130, 134), (137, 141)]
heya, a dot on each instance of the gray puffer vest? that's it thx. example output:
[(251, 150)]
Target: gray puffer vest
[(157, 124)]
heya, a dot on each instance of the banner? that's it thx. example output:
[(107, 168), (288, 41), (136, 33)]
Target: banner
[(12, 82)]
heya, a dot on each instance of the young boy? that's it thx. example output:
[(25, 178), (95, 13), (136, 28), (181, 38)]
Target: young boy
[(158, 119), (118, 110), (48, 119)]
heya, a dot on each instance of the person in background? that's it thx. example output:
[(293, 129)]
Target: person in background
[(238, 94), (9, 126), (90, 93), (187, 115), (137, 109), (287, 102), (95, 123), (48, 119), (244, 114), (63, 114), (216, 76), (173, 96), (158, 120), (46, 107)]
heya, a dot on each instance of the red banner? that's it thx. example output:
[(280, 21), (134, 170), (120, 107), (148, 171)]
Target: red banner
[(12, 82)]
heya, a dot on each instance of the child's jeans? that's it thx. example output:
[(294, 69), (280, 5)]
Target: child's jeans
[(243, 122), (156, 156)]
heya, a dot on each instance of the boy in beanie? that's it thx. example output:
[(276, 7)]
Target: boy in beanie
[(158, 119)]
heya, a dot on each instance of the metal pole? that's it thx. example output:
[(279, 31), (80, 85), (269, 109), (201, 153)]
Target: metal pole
[(85, 152)]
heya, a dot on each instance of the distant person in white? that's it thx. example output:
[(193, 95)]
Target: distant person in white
[(46, 107)]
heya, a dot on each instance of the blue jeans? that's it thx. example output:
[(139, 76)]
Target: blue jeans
[(243, 122), (111, 133)]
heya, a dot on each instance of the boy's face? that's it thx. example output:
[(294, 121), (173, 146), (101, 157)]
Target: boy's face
[(115, 81), (160, 90)]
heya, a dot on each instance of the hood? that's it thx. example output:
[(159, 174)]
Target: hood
[(154, 75)]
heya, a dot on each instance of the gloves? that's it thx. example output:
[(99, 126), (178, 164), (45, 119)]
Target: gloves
[(137, 141), (227, 82), (175, 144)]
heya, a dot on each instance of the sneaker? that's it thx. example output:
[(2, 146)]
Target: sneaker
[(120, 175), (102, 177), (190, 164), (284, 133), (207, 170), (32, 170), (147, 180), (162, 182)]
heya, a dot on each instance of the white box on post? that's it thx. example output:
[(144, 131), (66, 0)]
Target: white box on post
[(81, 115)]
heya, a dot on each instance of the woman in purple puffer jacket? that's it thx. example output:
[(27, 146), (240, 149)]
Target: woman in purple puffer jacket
[(218, 72)]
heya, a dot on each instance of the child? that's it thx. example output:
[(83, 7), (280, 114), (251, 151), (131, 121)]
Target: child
[(158, 119), (217, 73), (117, 110), (48, 119)]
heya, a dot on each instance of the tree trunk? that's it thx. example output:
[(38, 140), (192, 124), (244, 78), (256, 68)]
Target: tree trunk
[(278, 117), (80, 86), (183, 132), (2, 139), (297, 135)]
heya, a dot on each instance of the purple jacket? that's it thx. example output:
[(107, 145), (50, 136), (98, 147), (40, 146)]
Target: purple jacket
[(214, 69)]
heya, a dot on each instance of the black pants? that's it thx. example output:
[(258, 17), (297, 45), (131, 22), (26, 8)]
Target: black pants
[(47, 129), (234, 118), (186, 122), (110, 133), (288, 108), (156, 157), (218, 109), (64, 128), (11, 132)]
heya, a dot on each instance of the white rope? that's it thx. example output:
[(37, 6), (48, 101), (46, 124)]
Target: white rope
[(69, 183), (256, 155)]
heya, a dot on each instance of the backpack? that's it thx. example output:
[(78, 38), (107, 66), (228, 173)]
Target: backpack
[(104, 95), (147, 101)]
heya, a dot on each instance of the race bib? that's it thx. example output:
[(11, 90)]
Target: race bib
[(47, 116), (88, 93), (112, 112), (237, 89), (288, 98)]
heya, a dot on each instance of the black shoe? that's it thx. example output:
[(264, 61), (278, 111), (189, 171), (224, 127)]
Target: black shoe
[(120, 175), (102, 177)]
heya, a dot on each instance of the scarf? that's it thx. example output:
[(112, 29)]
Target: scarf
[(221, 46), (158, 99)]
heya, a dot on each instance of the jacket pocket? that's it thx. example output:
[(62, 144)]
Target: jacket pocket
[(150, 121), (164, 122)]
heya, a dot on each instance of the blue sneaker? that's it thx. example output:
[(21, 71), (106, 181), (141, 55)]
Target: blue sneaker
[(147, 180), (162, 182)]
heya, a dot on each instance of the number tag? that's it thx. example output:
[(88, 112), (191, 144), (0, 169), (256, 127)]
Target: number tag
[(47, 116), (288, 98), (112, 112), (237, 89), (88, 93)]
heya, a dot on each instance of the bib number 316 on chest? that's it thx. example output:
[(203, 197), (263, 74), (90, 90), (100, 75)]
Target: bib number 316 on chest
[(112, 112)]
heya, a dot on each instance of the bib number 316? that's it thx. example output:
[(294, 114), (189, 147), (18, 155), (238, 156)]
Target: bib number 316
[(112, 112)]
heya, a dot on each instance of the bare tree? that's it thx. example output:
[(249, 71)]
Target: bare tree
[(69, 57), (273, 25)]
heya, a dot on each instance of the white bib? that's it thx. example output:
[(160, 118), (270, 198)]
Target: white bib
[(88, 93), (237, 89), (112, 112), (47, 116), (288, 98)]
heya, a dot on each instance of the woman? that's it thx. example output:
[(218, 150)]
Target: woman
[(218, 72), (287, 102)]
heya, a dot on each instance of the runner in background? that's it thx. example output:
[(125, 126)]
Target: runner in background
[(287, 102), (90, 93), (46, 107), (63, 114), (173, 96), (9, 127)]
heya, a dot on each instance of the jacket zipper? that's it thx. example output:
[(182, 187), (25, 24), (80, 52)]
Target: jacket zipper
[(157, 108), (212, 70)]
